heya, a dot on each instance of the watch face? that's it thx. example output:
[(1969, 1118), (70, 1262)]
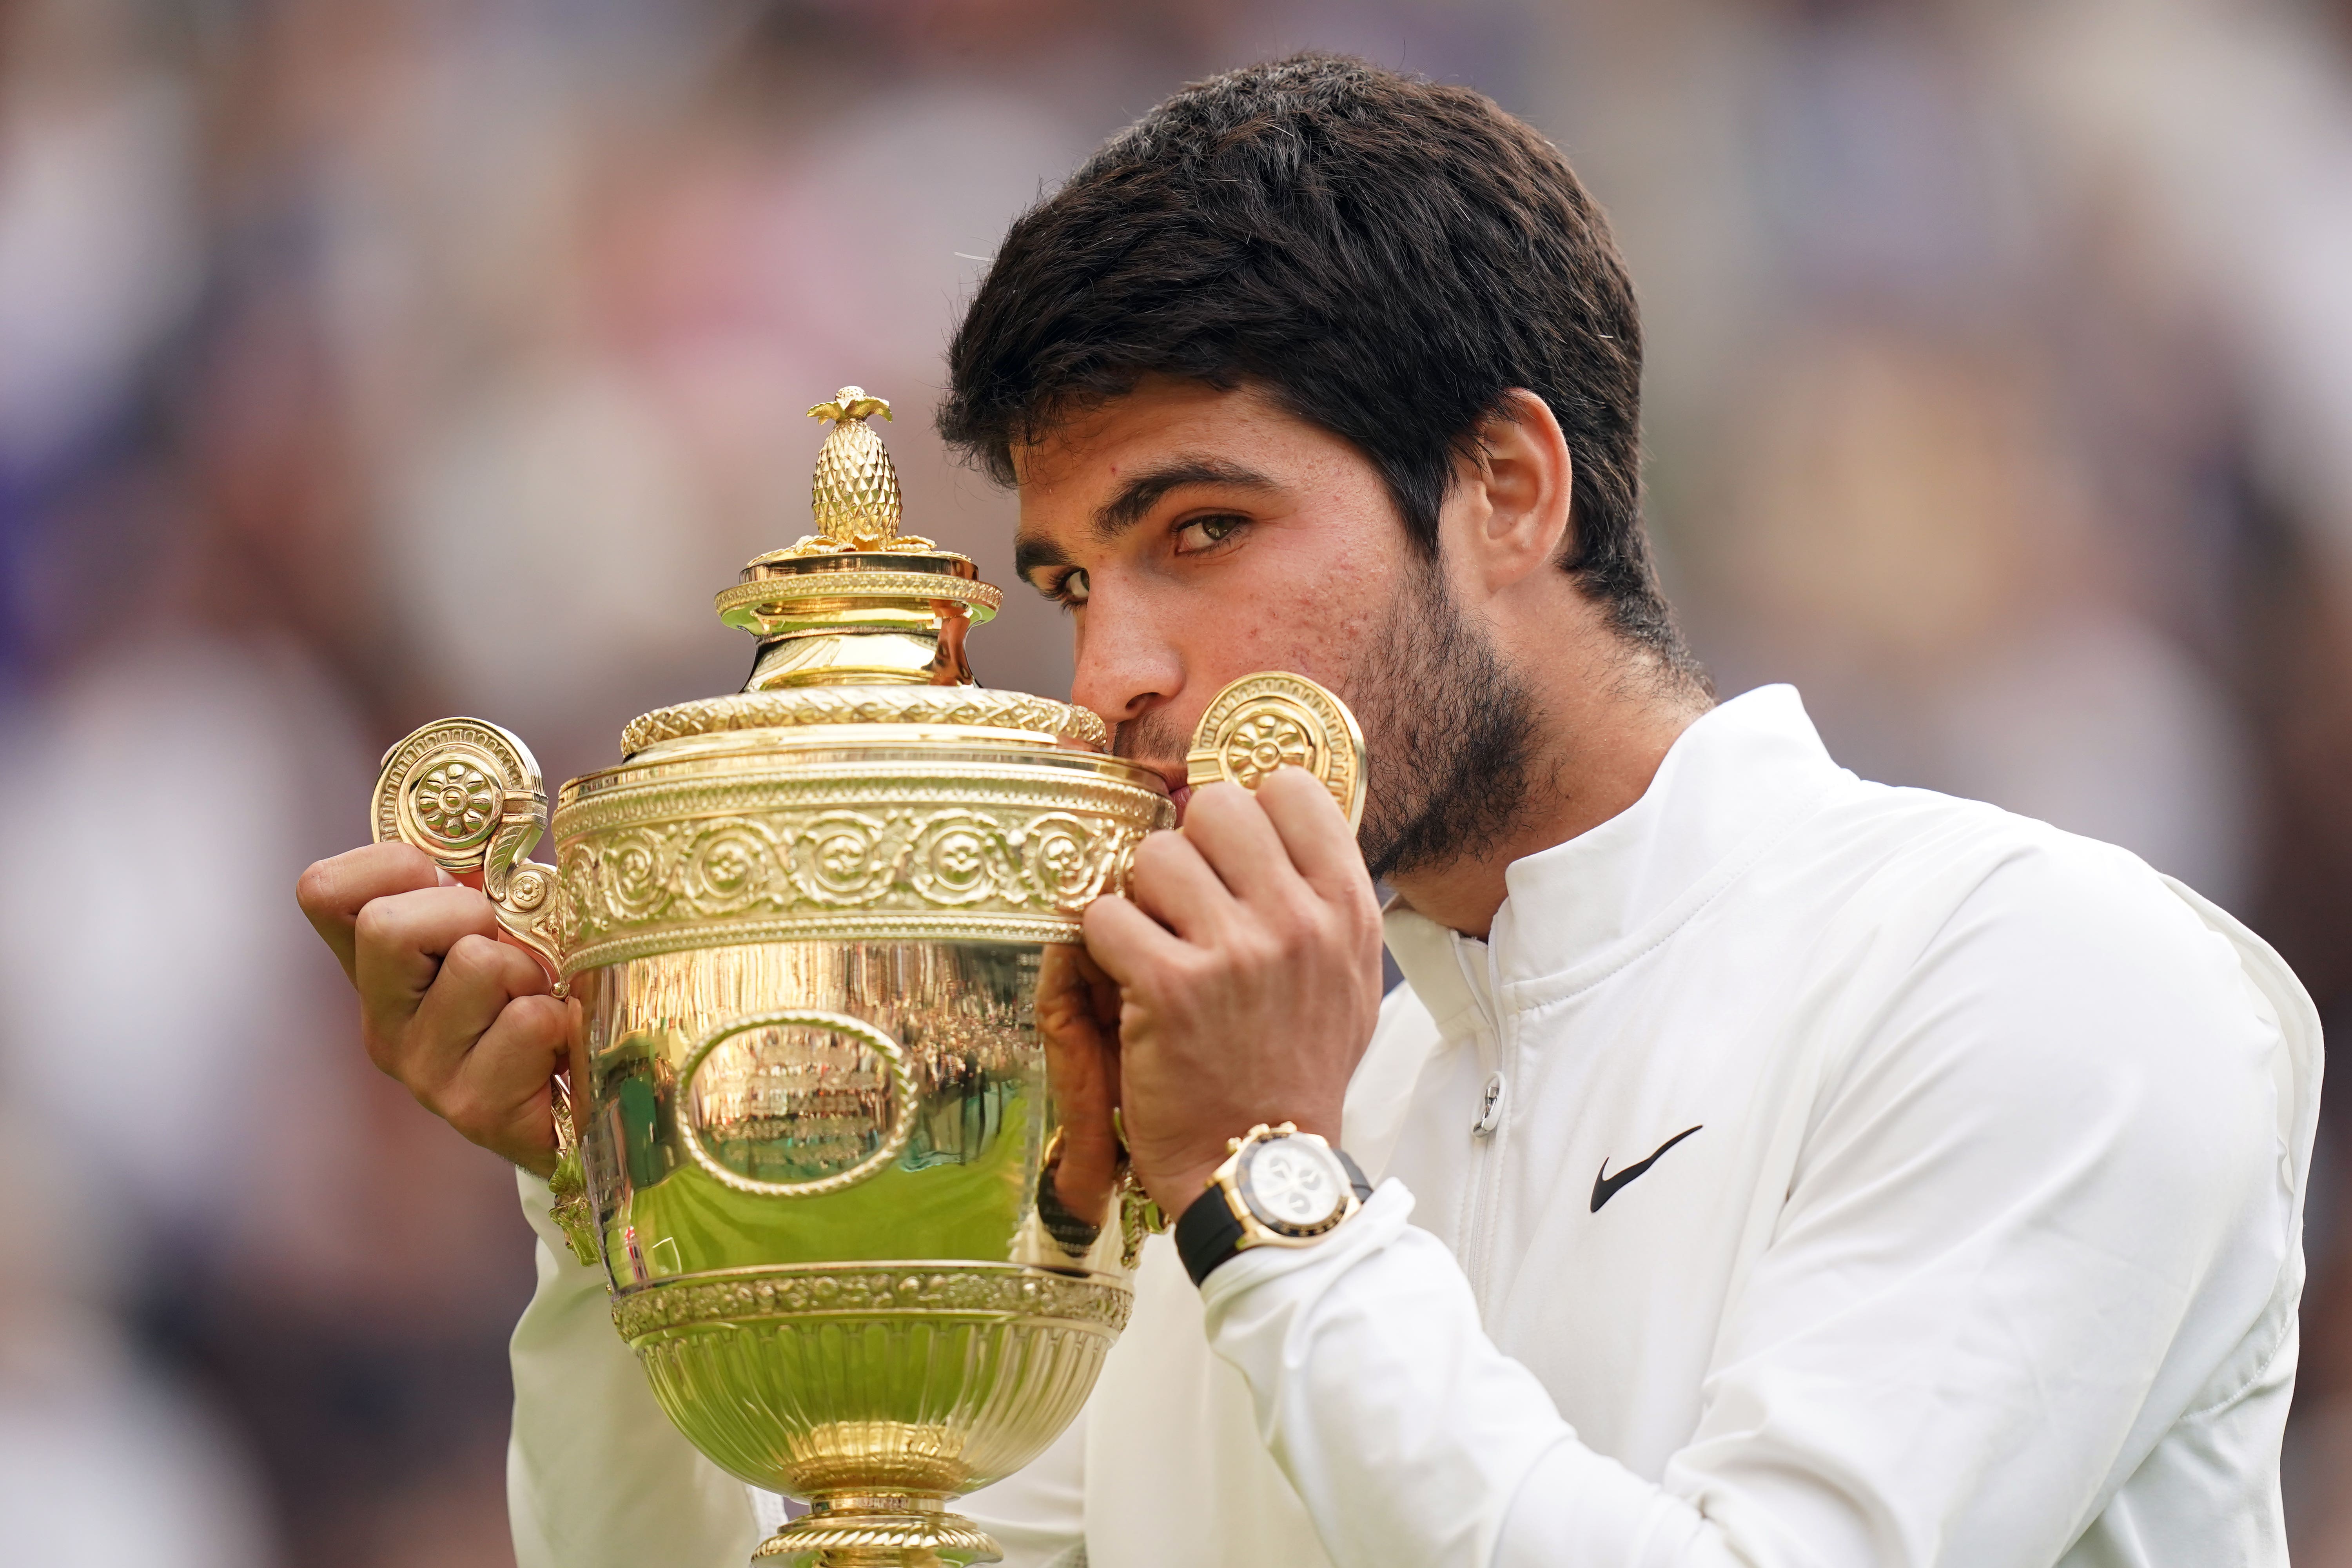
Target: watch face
[(1294, 1186)]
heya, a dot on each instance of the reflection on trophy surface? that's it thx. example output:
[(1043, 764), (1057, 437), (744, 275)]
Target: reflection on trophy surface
[(820, 941)]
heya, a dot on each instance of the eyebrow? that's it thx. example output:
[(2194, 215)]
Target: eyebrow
[(1143, 492), (1030, 552), (1134, 502)]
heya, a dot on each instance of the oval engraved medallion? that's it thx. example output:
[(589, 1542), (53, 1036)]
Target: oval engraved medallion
[(796, 1102), (1274, 720)]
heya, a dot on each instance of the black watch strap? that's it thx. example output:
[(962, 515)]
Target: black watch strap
[(1207, 1233)]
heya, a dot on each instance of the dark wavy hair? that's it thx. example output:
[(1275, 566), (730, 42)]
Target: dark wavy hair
[(1385, 255)]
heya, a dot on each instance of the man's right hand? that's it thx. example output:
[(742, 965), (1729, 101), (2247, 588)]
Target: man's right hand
[(461, 1018)]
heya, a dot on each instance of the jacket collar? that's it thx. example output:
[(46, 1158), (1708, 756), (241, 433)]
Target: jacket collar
[(1735, 778)]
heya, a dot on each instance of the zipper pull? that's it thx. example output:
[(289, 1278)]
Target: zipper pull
[(1490, 1108)]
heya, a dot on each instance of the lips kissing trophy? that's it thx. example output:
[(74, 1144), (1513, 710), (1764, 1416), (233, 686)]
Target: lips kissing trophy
[(812, 1127)]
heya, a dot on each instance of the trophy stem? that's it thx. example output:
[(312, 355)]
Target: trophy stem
[(867, 1530)]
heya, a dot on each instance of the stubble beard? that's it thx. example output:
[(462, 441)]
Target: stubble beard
[(1449, 730), (1449, 727), (1152, 736)]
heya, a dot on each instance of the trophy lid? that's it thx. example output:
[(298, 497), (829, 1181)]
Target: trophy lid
[(859, 622)]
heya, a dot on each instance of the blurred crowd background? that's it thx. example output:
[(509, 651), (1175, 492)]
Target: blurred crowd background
[(365, 361)]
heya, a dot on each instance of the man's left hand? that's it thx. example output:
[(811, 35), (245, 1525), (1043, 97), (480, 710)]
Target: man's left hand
[(1248, 955)]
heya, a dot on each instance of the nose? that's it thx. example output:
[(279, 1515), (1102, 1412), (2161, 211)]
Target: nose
[(1127, 663)]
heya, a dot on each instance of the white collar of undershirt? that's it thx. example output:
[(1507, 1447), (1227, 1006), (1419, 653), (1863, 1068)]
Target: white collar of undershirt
[(1742, 773)]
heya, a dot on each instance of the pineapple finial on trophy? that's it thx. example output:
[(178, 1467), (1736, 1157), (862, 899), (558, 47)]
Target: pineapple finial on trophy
[(855, 493), (856, 490)]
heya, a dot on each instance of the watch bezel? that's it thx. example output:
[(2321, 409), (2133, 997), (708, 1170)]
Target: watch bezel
[(1245, 1167)]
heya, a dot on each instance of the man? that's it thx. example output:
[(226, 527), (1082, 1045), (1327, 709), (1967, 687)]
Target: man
[(1774, 1168)]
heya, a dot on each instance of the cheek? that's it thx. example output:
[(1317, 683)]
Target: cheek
[(1294, 623), (1325, 622)]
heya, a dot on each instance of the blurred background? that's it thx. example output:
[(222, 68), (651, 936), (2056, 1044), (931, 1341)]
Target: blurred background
[(364, 360)]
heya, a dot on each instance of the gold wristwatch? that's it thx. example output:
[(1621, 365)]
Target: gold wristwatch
[(1278, 1187)]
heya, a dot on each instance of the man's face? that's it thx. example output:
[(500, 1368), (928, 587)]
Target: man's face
[(1200, 535)]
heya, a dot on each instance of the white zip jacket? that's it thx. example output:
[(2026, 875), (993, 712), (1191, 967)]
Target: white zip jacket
[(1806, 1171)]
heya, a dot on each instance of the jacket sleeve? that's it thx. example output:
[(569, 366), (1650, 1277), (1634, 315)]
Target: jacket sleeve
[(596, 1475), (1406, 1433), (2042, 1213)]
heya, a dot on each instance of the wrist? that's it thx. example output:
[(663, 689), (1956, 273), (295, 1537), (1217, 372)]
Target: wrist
[(1087, 1163), (1176, 1193)]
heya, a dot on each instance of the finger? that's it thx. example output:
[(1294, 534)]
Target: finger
[(1066, 1007), (1102, 991), (1070, 970), (1314, 833), (1077, 1004), (1230, 828), (478, 977), (400, 940), (1176, 887), (500, 1097), (1062, 971), (1127, 942), (334, 891)]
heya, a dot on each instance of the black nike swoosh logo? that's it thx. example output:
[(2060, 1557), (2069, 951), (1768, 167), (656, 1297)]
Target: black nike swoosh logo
[(1604, 1185)]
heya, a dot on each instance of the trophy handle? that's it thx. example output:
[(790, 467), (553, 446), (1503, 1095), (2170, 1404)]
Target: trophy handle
[(468, 794), (1275, 719), (902, 1092), (573, 1215)]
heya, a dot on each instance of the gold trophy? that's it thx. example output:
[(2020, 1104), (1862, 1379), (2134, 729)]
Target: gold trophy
[(811, 1125)]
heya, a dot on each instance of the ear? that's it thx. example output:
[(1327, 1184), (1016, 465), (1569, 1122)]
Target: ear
[(1510, 513)]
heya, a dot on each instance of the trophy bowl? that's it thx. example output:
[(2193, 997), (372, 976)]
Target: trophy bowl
[(815, 935)]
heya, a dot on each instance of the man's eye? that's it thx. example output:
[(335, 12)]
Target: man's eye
[(1204, 532), (1072, 588)]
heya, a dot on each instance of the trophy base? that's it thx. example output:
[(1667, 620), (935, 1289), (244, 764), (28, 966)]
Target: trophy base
[(866, 1532)]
